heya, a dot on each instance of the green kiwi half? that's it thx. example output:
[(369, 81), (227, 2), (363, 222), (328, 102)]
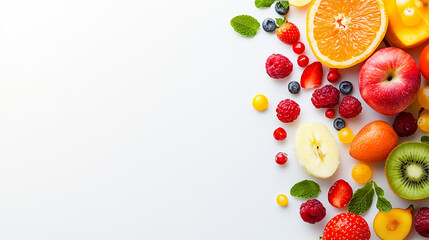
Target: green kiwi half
[(407, 170)]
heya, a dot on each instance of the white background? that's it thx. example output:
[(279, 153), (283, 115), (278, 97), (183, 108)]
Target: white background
[(126, 119)]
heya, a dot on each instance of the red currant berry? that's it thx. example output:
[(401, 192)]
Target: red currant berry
[(330, 113), (302, 61), (280, 134), (333, 75), (281, 158), (298, 48)]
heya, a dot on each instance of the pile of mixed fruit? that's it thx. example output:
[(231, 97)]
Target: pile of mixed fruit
[(341, 34)]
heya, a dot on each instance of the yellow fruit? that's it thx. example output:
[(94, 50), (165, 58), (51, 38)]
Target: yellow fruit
[(299, 3), (423, 122), (346, 135), (411, 16), (260, 102), (282, 200), (407, 28), (343, 33), (424, 97), (361, 173), (393, 225)]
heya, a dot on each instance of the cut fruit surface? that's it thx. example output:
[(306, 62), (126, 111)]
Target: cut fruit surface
[(316, 150), (342, 33), (299, 3), (407, 170)]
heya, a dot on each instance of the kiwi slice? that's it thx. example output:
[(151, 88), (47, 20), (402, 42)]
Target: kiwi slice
[(407, 170)]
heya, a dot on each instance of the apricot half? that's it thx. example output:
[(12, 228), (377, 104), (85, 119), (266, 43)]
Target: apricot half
[(393, 225)]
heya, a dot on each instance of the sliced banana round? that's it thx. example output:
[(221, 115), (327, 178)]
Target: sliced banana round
[(316, 150)]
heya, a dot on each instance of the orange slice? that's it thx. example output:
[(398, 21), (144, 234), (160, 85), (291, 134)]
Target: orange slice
[(342, 33)]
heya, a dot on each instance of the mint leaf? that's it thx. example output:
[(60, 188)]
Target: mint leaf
[(280, 21), (245, 25), (285, 4), (362, 199), (305, 189), (378, 190), (263, 3), (424, 139), (383, 204)]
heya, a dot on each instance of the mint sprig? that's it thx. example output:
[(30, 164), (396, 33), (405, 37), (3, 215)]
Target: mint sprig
[(280, 21), (362, 199), (284, 3), (424, 139), (305, 189), (263, 3), (245, 25), (382, 203)]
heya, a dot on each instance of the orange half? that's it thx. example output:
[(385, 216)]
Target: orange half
[(342, 33)]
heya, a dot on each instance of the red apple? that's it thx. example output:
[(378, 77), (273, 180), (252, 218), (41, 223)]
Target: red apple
[(389, 80)]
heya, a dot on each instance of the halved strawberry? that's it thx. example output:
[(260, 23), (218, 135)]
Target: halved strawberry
[(347, 226), (340, 194), (312, 76)]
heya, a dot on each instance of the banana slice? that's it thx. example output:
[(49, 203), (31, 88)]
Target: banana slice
[(316, 150)]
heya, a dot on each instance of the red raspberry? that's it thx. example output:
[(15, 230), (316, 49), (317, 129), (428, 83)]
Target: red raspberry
[(287, 111), (405, 125), (312, 211), (288, 33), (278, 66), (350, 107), (326, 97)]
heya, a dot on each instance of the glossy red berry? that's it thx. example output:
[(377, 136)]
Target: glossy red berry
[(333, 75), (280, 134), (298, 48), (302, 61), (330, 113), (281, 158)]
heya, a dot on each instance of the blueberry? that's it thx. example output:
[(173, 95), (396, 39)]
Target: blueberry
[(346, 87), (294, 87), (339, 124), (280, 9), (269, 25)]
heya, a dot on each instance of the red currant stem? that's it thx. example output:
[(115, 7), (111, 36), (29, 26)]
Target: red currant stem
[(386, 42)]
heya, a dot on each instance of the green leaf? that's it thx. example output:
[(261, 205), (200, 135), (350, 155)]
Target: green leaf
[(362, 199), (263, 3), (378, 190), (305, 189), (245, 25), (280, 21), (424, 139), (383, 204), (285, 4)]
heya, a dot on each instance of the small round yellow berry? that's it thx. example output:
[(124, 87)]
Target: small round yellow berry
[(423, 122), (282, 200), (423, 97), (260, 102), (411, 16), (361, 173), (346, 135)]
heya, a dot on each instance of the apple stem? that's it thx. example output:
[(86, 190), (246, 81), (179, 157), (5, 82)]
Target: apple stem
[(386, 42)]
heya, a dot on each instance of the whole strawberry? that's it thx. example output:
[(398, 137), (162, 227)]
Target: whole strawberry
[(347, 226), (288, 33)]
